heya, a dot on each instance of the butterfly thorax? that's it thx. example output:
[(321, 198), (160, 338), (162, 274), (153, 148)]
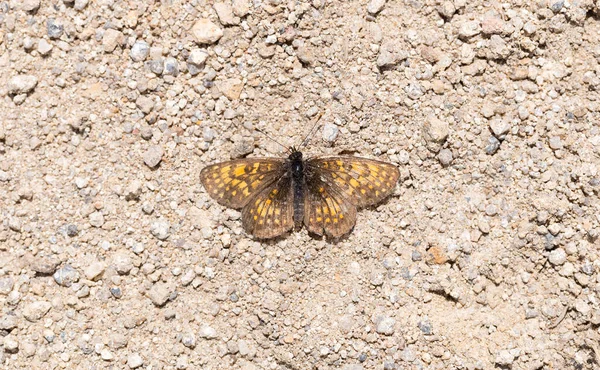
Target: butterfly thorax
[(296, 165)]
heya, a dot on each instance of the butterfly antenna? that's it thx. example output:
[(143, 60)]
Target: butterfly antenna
[(312, 130), (273, 140)]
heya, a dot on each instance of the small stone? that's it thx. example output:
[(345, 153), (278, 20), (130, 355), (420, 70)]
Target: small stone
[(469, 29), (388, 56), (207, 332), (8, 321), (81, 182), (153, 156), (435, 133), (44, 265), (189, 340), (134, 361), (94, 271), (582, 307), (231, 88), (4, 176), (14, 223), (385, 326), (377, 278), (241, 7), (10, 344), (96, 219), (44, 47), (171, 67), (445, 157), (555, 228), (492, 25), (159, 294), (111, 39), (31, 5), (375, 6), (160, 229), (500, 128), (206, 32), (493, 145), (54, 29), (80, 4), (505, 358), (66, 276), (197, 57), (145, 104), (330, 132), (134, 190), (6, 285), (555, 143), (107, 355), (557, 257), (35, 311), (447, 9), (225, 14), (139, 51), (499, 49), (116, 292), (122, 263), (21, 84), (425, 327), (156, 66)]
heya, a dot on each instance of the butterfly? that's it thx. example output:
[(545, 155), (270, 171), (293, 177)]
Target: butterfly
[(278, 194)]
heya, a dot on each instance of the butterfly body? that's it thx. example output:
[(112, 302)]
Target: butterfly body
[(298, 184), (322, 193)]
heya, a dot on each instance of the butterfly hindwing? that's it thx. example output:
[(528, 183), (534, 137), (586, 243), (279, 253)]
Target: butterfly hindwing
[(234, 183), (270, 212), (326, 211), (362, 181)]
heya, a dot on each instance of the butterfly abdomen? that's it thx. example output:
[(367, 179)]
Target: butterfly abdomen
[(297, 172)]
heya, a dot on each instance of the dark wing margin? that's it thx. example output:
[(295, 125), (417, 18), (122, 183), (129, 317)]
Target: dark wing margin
[(362, 181), (234, 183), (271, 212), (326, 211)]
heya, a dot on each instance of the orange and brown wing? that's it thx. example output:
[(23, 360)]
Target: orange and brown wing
[(326, 211), (271, 212), (234, 183), (361, 181)]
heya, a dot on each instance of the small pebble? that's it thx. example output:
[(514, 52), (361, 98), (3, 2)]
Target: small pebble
[(557, 257), (159, 294), (207, 332), (375, 6), (30, 5), (111, 39), (206, 32), (66, 276), (445, 157), (330, 132), (139, 51), (96, 219), (35, 311), (160, 229), (386, 326), (21, 84), (134, 361), (153, 156), (94, 270), (44, 47), (54, 29)]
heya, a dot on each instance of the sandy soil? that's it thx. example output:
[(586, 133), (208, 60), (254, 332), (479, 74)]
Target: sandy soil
[(112, 256)]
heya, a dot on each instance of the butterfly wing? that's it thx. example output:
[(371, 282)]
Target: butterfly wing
[(326, 210), (234, 183), (361, 181), (270, 212)]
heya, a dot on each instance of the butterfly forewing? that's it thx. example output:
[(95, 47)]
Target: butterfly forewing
[(270, 213), (326, 211), (234, 183), (360, 180)]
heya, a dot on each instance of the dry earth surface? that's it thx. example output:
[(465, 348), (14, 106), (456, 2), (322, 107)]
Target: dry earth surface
[(113, 256)]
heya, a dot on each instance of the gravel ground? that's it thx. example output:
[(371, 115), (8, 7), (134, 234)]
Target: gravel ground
[(113, 256)]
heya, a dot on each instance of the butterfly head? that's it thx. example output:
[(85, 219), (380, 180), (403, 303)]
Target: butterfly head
[(295, 155)]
